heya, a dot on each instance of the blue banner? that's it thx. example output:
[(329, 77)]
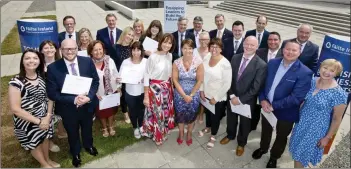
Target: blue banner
[(33, 31)]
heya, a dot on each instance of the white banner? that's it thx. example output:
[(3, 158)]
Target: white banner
[(173, 10)]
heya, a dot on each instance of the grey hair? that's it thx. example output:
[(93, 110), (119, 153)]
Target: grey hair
[(305, 24), (219, 15), (198, 18), (204, 33), (181, 18)]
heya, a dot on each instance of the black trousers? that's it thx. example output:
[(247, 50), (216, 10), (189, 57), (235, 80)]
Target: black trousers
[(283, 129), (75, 120), (213, 120), (136, 109), (232, 125), (123, 100), (255, 116)]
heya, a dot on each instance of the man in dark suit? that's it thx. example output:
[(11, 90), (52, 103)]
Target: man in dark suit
[(266, 54), (76, 111), (249, 72), (309, 50), (234, 45), (110, 34), (180, 35), (260, 32), (198, 23), (287, 83), (69, 23), (221, 32)]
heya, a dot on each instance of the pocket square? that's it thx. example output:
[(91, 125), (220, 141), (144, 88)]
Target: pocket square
[(290, 80)]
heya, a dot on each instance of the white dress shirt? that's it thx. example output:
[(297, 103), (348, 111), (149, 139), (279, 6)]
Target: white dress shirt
[(68, 64), (114, 34), (73, 35), (239, 42), (271, 55)]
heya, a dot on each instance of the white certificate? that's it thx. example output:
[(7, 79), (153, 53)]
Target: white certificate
[(76, 85), (109, 101), (150, 44), (270, 118), (242, 109), (130, 75), (208, 106)]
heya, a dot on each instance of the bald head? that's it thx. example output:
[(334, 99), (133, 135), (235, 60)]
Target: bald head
[(250, 45), (69, 49)]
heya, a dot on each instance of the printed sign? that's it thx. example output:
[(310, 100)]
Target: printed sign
[(173, 10)]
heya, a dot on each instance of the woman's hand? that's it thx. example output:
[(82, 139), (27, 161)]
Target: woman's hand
[(202, 95), (99, 97), (187, 98), (213, 101), (118, 80), (146, 102), (148, 53), (45, 122), (323, 142)]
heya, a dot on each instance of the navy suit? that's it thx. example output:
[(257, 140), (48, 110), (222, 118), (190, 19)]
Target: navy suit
[(288, 96), (264, 37), (74, 118), (309, 55), (226, 34), (103, 35), (228, 48), (188, 35), (62, 36)]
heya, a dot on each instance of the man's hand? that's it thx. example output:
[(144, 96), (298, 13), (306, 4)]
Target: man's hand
[(266, 106), (235, 101)]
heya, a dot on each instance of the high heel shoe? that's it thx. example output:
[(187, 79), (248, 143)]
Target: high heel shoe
[(189, 142), (179, 141)]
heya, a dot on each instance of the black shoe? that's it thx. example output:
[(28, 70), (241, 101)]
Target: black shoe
[(92, 151), (257, 154), (272, 163), (76, 161)]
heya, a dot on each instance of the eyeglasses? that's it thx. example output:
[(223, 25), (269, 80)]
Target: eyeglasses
[(215, 47), (69, 49)]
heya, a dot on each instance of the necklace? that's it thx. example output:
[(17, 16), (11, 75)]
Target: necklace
[(32, 79)]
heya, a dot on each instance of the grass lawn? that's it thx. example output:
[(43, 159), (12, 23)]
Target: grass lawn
[(11, 43), (14, 156)]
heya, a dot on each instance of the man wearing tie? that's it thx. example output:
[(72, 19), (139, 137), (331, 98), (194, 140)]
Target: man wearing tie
[(221, 32), (76, 110), (260, 33), (198, 23), (110, 34), (309, 50), (69, 23), (249, 72), (234, 45), (179, 36), (285, 88)]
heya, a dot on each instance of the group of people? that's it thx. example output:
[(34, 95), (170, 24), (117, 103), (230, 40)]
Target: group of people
[(222, 67)]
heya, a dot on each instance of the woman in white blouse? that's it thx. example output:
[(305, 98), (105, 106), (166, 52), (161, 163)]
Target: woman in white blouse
[(217, 81), (84, 38), (134, 95), (202, 52), (108, 74), (159, 115)]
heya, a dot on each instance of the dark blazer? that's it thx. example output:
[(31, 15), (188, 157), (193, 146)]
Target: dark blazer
[(103, 35), (188, 35), (228, 48), (309, 55), (62, 36), (64, 103), (264, 38), (263, 54), (226, 34), (252, 79), (291, 90)]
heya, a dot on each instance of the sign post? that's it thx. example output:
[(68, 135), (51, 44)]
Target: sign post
[(33, 31), (173, 10)]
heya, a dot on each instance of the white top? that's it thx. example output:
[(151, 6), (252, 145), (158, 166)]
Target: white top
[(83, 53), (196, 53), (158, 67), (217, 79), (73, 35), (68, 64), (114, 74), (134, 89)]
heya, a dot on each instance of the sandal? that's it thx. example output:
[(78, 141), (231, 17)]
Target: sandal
[(105, 132), (210, 144), (204, 131), (112, 132), (126, 118)]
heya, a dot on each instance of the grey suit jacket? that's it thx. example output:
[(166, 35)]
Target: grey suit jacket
[(251, 80)]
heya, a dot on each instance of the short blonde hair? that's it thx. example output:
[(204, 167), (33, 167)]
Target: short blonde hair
[(138, 21), (124, 33), (81, 31), (333, 63)]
